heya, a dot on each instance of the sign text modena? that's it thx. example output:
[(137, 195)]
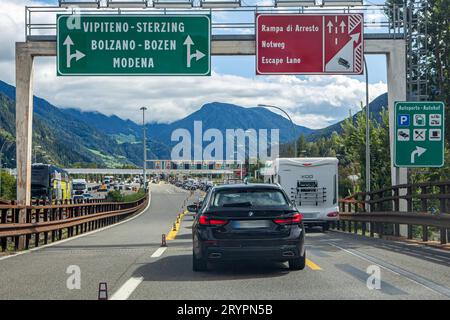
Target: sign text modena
[(309, 44), (133, 45)]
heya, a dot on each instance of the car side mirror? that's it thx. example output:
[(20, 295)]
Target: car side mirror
[(192, 208)]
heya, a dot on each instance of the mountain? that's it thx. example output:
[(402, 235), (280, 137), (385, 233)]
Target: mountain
[(69, 136), (122, 130), (68, 139), (375, 107), (223, 116)]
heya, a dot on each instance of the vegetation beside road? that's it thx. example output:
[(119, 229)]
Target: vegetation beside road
[(7, 186), (117, 196)]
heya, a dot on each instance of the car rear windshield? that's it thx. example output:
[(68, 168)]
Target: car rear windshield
[(249, 198)]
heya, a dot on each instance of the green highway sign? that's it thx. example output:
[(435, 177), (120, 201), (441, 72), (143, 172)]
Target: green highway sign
[(133, 45), (419, 134)]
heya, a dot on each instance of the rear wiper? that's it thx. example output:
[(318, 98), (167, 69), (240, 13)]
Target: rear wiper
[(238, 204)]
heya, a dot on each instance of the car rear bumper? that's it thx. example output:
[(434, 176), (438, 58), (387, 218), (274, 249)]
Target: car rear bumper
[(316, 222), (280, 250), (283, 253)]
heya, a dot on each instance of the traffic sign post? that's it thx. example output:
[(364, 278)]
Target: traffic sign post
[(309, 44), (133, 45), (419, 134)]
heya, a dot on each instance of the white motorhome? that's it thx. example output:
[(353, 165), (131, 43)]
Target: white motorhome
[(311, 183)]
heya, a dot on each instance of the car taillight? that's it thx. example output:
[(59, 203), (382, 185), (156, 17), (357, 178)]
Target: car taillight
[(296, 218), (332, 214), (203, 220)]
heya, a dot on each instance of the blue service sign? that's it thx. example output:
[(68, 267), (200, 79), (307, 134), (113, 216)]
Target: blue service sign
[(403, 119)]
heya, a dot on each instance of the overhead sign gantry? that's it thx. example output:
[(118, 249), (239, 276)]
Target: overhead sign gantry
[(133, 45)]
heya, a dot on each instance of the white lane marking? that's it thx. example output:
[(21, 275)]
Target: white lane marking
[(159, 252), (79, 236), (127, 289), (428, 284)]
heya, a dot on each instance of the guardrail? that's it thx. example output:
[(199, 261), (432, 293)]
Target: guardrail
[(49, 222), (427, 211)]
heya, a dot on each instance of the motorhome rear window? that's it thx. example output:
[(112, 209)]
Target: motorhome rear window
[(249, 198)]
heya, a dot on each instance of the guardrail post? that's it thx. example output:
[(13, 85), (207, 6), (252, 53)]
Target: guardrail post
[(37, 219), (424, 208), (396, 209), (3, 219), (53, 218), (442, 205), (15, 219), (409, 202), (60, 217), (380, 230)]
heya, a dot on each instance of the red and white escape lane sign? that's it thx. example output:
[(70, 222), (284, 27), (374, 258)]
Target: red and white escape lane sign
[(309, 44)]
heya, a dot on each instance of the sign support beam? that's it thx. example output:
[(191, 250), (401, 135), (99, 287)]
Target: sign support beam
[(24, 122), (394, 49)]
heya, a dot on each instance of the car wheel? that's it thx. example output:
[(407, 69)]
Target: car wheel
[(199, 264), (298, 263), (325, 227)]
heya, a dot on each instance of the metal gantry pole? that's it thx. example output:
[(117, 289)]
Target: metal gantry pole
[(367, 129), (144, 167)]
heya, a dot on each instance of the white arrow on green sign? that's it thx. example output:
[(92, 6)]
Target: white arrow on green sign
[(134, 45), (419, 135)]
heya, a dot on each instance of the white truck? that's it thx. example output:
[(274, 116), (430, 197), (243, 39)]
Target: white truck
[(79, 187), (311, 183)]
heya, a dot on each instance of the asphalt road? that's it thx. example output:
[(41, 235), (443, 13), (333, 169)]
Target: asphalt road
[(129, 259)]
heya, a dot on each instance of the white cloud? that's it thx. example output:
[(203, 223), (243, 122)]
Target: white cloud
[(313, 101)]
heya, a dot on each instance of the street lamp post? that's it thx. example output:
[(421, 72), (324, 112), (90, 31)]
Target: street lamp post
[(35, 153), (145, 148), (292, 123)]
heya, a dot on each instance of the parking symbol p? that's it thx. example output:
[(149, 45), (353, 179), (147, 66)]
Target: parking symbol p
[(403, 119)]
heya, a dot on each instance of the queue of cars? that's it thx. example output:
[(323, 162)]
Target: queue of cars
[(191, 184), (112, 183)]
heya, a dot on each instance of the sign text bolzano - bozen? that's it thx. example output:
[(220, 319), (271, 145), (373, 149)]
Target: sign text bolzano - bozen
[(133, 45)]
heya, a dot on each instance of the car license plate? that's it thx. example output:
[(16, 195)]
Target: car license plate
[(250, 224), (309, 215)]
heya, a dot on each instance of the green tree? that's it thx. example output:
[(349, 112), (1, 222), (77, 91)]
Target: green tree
[(8, 186)]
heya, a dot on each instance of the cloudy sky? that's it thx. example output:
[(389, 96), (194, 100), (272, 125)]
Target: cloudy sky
[(313, 101)]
